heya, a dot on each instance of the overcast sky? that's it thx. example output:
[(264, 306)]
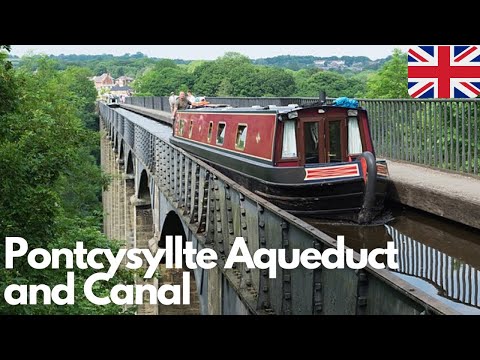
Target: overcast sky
[(210, 52)]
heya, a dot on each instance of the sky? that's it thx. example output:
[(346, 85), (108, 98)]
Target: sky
[(211, 52)]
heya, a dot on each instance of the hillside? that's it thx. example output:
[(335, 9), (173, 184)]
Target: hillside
[(134, 64), (332, 63)]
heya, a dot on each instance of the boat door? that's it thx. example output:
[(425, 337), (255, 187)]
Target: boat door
[(324, 140), (335, 140)]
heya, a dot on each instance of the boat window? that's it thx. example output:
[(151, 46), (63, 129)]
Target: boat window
[(241, 137), (354, 139), (221, 133), (334, 139), (182, 124), (210, 130), (191, 129), (289, 148), (310, 130)]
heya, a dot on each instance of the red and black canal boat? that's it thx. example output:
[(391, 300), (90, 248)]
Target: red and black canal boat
[(315, 161)]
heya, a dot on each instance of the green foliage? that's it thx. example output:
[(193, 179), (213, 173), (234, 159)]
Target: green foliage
[(230, 75), (163, 81), (215, 78), (132, 65), (85, 94), (335, 85), (245, 80), (164, 63), (236, 75), (50, 182), (193, 65), (292, 62), (288, 61), (276, 82), (7, 87), (209, 76), (391, 80)]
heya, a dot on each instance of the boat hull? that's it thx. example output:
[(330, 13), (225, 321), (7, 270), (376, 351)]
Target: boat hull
[(338, 198)]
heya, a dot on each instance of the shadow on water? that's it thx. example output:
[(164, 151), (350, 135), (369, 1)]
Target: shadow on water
[(438, 256)]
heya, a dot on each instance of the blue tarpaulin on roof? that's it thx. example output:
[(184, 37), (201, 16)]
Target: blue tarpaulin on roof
[(346, 102)]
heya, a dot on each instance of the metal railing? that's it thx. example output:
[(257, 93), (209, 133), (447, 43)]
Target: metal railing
[(438, 133), (443, 134)]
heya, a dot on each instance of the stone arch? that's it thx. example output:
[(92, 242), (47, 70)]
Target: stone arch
[(129, 178), (172, 226), (115, 149), (143, 188), (129, 167), (144, 232), (122, 150)]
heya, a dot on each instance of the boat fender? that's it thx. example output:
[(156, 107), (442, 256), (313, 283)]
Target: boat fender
[(369, 166)]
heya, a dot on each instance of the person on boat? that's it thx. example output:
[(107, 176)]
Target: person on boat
[(171, 101), (190, 97), (181, 103)]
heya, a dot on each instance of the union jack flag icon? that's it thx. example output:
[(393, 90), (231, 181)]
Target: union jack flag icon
[(444, 71)]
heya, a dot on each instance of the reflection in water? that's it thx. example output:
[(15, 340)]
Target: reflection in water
[(453, 278), (440, 257)]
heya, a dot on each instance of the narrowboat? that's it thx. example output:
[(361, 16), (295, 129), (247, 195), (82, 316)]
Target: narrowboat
[(314, 161)]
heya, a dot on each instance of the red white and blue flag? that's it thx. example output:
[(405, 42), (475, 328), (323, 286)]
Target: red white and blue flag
[(444, 71)]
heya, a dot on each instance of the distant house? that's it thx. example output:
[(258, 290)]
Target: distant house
[(103, 81), (123, 81), (337, 64), (330, 64)]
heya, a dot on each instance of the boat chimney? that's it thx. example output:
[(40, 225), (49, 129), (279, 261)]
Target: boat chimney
[(323, 97)]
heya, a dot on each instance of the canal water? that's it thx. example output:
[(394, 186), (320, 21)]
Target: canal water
[(440, 257)]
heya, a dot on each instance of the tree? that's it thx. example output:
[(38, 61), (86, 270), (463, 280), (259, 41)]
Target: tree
[(50, 183), (245, 80), (8, 86), (208, 78), (193, 65), (211, 78), (234, 75), (163, 64), (225, 88), (79, 84), (334, 84), (234, 58), (276, 82), (162, 82), (391, 81)]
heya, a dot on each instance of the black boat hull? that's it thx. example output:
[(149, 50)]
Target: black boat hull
[(338, 199)]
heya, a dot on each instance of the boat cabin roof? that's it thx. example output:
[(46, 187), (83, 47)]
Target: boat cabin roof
[(270, 109)]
